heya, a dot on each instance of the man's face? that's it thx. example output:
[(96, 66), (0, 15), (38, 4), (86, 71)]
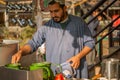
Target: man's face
[(57, 13)]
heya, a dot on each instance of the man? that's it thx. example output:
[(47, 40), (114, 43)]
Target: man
[(67, 38)]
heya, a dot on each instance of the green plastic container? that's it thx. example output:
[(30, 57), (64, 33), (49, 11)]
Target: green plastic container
[(47, 72), (15, 66)]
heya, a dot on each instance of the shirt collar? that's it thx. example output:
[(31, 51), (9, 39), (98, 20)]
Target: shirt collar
[(64, 20)]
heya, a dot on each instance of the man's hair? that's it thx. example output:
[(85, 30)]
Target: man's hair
[(53, 2)]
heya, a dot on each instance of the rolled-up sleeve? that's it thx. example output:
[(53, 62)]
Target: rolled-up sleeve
[(37, 39), (88, 39)]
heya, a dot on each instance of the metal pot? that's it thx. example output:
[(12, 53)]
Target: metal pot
[(110, 68), (7, 49)]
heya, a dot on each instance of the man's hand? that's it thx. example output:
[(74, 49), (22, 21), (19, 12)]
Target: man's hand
[(75, 62), (26, 49), (76, 59), (16, 57)]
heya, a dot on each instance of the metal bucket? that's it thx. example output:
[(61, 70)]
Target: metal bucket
[(110, 69), (7, 49)]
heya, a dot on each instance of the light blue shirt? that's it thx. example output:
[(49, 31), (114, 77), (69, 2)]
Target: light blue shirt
[(62, 44)]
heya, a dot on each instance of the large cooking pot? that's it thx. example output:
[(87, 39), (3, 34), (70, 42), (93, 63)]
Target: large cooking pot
[(7, 49), (110, 68)]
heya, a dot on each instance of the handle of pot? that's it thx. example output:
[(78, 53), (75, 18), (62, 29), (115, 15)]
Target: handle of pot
[(47, 69)]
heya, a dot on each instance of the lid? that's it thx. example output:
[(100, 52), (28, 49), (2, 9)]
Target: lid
[(111, 60), (10, 41)]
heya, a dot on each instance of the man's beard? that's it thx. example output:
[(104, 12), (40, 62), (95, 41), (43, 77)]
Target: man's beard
[(57, 19)]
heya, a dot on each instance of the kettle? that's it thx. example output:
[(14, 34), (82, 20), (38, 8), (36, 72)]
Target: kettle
[(110, 68), (66, 69)]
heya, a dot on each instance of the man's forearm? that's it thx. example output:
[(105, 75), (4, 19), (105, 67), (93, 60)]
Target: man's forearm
[(76, 59), (25, 50), (84, 52)]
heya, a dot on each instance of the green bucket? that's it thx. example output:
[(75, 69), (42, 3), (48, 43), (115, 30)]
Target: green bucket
[(47, 72)]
